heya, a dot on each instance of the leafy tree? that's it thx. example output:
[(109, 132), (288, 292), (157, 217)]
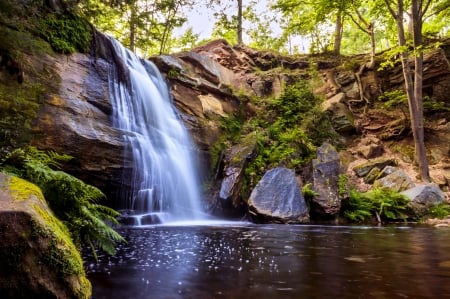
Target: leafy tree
[(142, 25)]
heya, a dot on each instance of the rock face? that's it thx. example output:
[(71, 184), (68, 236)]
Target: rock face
[(423, 197), (277, 198), (76, 119), (326, 171), (37, 256)]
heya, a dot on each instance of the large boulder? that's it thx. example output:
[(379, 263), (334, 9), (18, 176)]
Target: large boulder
[(37, 256), (277, 198), (423, 197), (325, 176)]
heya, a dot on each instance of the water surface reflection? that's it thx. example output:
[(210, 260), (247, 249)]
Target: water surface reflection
[(276, 261)]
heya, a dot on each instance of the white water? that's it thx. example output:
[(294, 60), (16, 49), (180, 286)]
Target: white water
[(164, 180)]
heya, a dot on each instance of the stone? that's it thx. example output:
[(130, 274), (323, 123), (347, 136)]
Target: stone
[(372, 175), (397, 181), (325, 176), (363, 169), (341, 117), (370, 147), (423, 197), (236, 161), (277, 198), (37, 256)]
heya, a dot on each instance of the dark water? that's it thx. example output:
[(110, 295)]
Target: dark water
[(276, 261)]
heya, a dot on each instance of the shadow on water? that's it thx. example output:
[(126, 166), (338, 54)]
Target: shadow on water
[(242, 260)]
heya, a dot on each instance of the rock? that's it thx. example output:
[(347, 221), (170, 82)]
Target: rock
[(370, 147), (235, 162), (372, 175), (277, 198), (325, 173), (37, 256), (397, 181), (362, 170), (341, 117), (423, 197), (75, 120)]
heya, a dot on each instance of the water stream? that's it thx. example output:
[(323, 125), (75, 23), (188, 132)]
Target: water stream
[(241, 260), (165, 185)]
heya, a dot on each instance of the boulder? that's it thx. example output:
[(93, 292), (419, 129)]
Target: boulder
[(397, 181), (325, 176), (423, 197), (37, 256), (277, 198), (236, 160)]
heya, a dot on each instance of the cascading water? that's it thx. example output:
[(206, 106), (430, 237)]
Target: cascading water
[(164, 178)]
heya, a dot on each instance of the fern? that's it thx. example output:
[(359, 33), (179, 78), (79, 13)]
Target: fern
[(387, 204), (72, 200)]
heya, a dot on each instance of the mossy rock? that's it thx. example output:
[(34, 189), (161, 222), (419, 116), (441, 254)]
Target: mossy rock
[(37, 256), (363, 169)]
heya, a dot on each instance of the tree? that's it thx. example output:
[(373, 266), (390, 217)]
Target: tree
[(413, 86), (142, 25), (310, 18)]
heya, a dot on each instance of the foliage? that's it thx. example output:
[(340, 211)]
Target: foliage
[(440, 211), (288, 129), (66, 33), (73, 201), (383, 203), (308, 192), (143, 26)]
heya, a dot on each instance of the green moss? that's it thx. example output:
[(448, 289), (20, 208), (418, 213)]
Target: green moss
[(22, 189), (66, 33), (61, 253)]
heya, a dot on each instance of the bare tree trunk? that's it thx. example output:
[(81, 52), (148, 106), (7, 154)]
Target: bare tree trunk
[(338, 31), (372, 46), (239, 24), (420, 150)]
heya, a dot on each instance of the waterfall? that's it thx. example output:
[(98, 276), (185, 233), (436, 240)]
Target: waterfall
[(165, 184)]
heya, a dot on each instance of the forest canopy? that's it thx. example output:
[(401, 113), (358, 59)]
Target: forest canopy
[(287, 26)]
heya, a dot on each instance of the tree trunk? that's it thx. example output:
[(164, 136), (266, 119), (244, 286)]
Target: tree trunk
[(418, 132), (413, 89), (239, 24), (338, 31), (372, 46), (133, 28)]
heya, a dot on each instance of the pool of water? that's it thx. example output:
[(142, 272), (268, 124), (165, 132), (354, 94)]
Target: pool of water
[(242, 260)]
